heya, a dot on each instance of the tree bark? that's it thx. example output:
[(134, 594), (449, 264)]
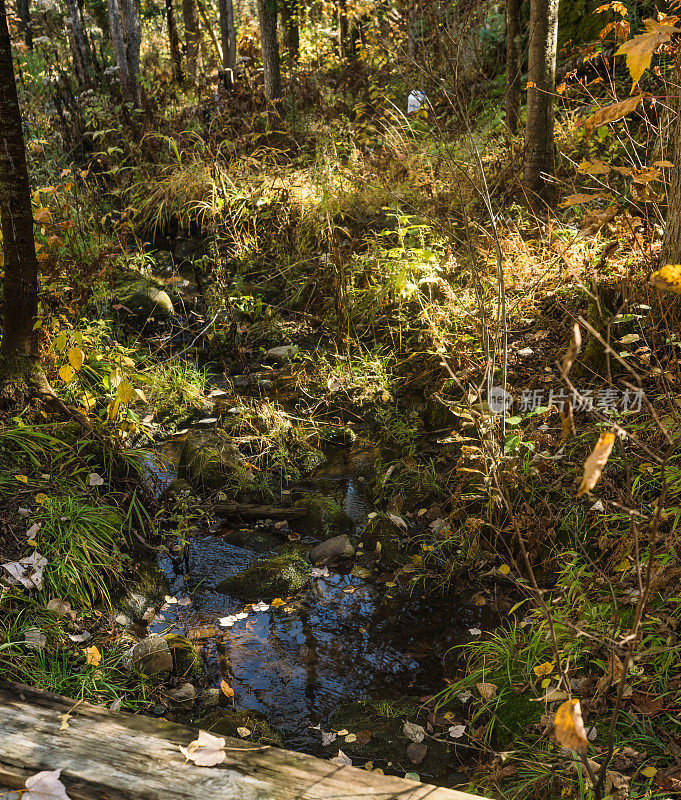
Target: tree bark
[(20, 285), (290, 21), (513, 39), (343, 28), (174, 42), (205, 21), (24, 13), (671, 243), (539, 145), (267, 15), (116, 32), (228, 37), (133, 43), (190, 17), (79, 46)]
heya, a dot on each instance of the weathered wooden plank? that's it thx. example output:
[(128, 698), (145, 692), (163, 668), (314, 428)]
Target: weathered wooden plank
[(107, 755), (251, 511)]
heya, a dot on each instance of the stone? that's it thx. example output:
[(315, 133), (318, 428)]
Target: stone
[(280, 355), (209, 698), (181, 697), (335, 549), (148, 301), (187, 662), (225, 722), (257, 541), (152, 656), (325, 518), (276, 576), (208, 463)]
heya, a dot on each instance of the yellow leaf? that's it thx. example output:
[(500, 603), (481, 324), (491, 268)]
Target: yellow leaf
[(76, 358), (42, 215), (623, 566), (576, 199), (115, 377), (546, 682), (649, 772), (140, 394), (21, 478), (594, 464), (668, 278), (504, 569), (226, 689), (569, 726), (67, 373), (125, 392), (645, 174), (639, 50), (544, 669), (112, 409), (665, 164), (92, 655), (595, 167), (611, 113), (41, 498), (89, 401), (277, 602)]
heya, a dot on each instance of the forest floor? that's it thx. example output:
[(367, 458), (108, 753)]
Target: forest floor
[(287, 328)]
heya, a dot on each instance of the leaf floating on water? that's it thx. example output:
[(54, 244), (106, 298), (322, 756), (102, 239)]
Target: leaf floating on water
[(475, 631), (45, 786), (593, 466), (206, 751), (243, 732), (568, 726), (227, 622), (170, 600), (226, 689), (277, 602), (350, 738), (241, 615), (488, 691), (184, 601), (260, 606), (410, 776), (341, 760), (417, 751), (328, 737), (319, 572), (417, 733), (349, 590)]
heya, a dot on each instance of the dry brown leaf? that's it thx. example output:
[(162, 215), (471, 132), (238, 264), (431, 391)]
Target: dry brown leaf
[(594, 464), (612, 112), (568, 726), (363, 737), (567, 421), (573, 350), (576, 199), (488, 691), (417, 733), (226, 689), (92, 655), (206, 751), (417, 751)]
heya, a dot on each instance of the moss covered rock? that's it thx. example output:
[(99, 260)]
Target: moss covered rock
[(187, 662), (207, 463), (225, 722), (325, 518), (271, 577), (147, 301), (257, 541)]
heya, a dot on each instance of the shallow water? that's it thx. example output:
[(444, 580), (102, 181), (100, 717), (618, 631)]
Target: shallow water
[(296, 664)]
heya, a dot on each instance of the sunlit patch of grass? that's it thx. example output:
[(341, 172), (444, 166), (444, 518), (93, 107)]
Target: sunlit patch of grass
[(175, 386)]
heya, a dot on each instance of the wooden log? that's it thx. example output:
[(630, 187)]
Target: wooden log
[(107, 755), (251, 511)]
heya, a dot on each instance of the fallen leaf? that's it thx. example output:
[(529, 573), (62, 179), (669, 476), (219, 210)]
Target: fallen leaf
[(568, 726), (60, 607), (94, 479), (417, 733), (27, 572), (544, 669), (64, 721), (594, 464), (397, 521), (260, 606), (184, 601), (350, 589), (475, 631), (409, 776), (457, 731), (504, 569), (45, 786), (226, 689), (363, 737), (649, 772), (92, 655), (341, 760), (206, 751), (34, 638), (80, 637), (350, 738), (488, 691), (243, 732), (343, 732), (116, 704), (328, 737), (277, 602), (417, 751), (170, 600)]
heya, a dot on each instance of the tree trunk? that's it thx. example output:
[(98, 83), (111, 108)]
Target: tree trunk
[(174, 41), (343, 28), (116, 31), (228, 36), (539, 144), (79, 47), (24, 13), (267, 15), (20, 285), (133, 43), (290, 21), (513, 39), (205, 21), (671, 244), (190, 16)]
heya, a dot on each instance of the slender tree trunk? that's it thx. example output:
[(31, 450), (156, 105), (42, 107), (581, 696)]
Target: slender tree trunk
[(228, 37), (671, 244), (20, 285), (79, 46), (343, 28), (211, 33), (25, 16), (267, 15), (190, 16), (290, 21), (539, 145), (174, 42), (513, 40), (116, 31), (133, 43)]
